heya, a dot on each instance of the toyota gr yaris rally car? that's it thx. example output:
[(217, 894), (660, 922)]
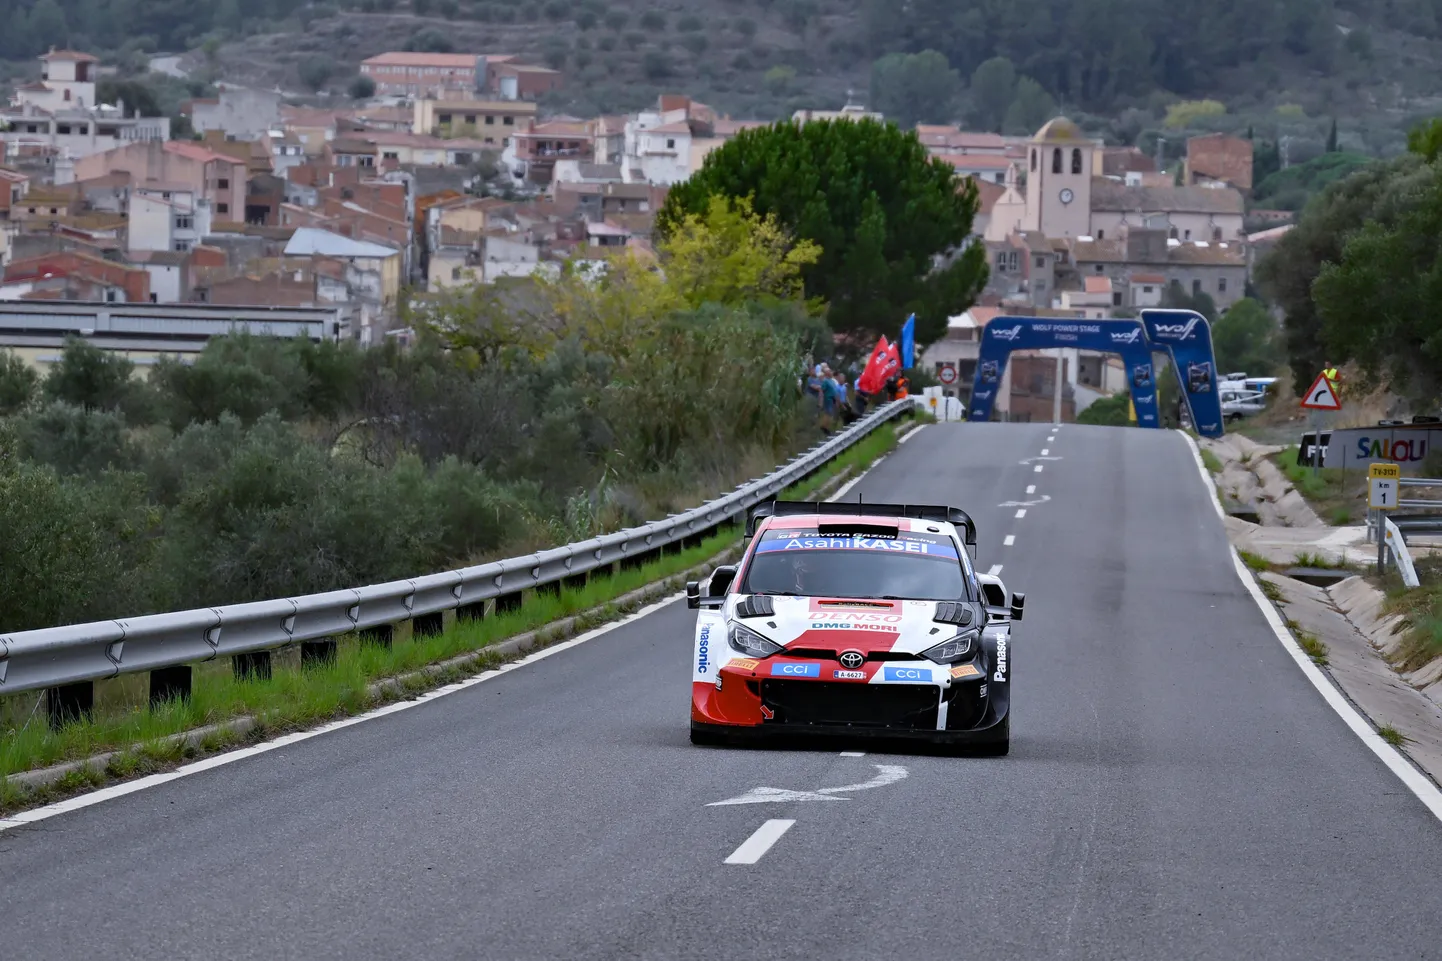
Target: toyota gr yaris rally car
[(854, 619)]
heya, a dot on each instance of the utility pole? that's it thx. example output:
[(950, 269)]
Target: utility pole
[(1283, 142)]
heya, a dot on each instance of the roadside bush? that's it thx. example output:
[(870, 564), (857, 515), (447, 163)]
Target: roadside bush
[(19, 383), (73, 440), (72, 549), (1107, 412)]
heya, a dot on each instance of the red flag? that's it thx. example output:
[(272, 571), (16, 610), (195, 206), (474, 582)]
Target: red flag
[(873, 378)]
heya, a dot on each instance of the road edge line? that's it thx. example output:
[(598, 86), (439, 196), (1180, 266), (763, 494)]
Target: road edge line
[(110, 792), (1362, 726)]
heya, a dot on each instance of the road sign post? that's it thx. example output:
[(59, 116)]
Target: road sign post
[(1322, 395), (1384, 487)]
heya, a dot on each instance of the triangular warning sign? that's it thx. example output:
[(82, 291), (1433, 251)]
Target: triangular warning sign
[(1321, 395)]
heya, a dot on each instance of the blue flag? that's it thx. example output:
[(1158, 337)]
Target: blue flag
[(908, 343)]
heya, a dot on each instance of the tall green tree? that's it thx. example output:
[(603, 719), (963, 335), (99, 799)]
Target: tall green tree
[(47, 25), (883, 212), (912, 88), (993, 88), (1030, 108), (89, 377), (1286, 275), (1378, 301), (1246, 337)]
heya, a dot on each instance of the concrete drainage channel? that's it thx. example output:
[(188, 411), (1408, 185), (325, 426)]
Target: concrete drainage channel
[(44, 781), (1313, 574)]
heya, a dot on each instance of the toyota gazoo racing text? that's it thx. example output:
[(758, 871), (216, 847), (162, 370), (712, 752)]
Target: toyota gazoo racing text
[(854, 619)]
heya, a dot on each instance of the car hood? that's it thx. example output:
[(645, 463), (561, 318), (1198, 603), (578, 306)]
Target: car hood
[(840, 624)]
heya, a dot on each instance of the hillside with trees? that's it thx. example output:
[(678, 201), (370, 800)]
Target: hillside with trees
[(1119, 65)]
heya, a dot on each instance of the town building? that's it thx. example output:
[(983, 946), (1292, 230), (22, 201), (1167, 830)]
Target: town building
[(238, 113), (59, 116), (212, 176)]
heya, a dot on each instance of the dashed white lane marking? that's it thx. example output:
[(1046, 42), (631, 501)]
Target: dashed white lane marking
[(1031, 488), (1045, 451), (1413, 779), (995, 570), (1020, 513), (853, 754), (759, 843), (1038, 468), (1010, 540)]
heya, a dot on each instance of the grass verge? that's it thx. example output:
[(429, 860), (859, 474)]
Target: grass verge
[(1255, 562), (1392, 736), (1210, 460), (1336, 495), (1421, 611), (144, 741)]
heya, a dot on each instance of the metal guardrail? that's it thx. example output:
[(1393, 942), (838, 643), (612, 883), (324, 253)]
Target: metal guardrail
[(1407, 518), (53, 657), (1397, 546)]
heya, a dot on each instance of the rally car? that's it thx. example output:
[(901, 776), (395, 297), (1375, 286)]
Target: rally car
[(854, 619)]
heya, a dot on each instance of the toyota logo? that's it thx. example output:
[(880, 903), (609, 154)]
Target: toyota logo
[(851, 660)]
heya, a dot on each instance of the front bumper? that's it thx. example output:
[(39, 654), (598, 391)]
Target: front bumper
[(748, 701)]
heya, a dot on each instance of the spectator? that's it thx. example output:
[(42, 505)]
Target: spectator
[(828, 398), (845, 400)]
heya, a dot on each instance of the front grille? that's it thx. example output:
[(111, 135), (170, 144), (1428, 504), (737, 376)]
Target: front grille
[(830, 654), (909, 706)]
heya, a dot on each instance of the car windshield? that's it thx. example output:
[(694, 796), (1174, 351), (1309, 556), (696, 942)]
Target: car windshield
[(911, 566)]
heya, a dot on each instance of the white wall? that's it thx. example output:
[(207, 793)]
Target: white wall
[(164, 282)]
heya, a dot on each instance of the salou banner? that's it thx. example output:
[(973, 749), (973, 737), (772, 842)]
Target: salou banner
[(1187, 337), (1003, 335)]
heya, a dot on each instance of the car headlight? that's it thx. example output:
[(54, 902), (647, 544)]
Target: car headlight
[(953, 650), (747, 641)]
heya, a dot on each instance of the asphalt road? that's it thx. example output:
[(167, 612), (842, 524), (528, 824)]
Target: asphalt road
[(1176, 788)]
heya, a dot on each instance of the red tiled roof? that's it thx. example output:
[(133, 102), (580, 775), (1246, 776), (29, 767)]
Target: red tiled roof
[(977, 161), (1098, 285), (399, 58), (74, 55), (195, 151)]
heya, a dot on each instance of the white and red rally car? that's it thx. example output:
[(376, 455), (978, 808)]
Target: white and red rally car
[(854, 619)]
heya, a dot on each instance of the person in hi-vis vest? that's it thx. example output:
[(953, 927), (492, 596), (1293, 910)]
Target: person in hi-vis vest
[(1330, 372)]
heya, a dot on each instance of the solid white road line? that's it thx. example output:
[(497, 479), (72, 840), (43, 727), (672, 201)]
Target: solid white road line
[(220, 760), (759, 843), (1031, 488), (1414, 780), (1010, 540), (995, 570), (1038, 468), (1020, 513), (853, 754), (912, 433)]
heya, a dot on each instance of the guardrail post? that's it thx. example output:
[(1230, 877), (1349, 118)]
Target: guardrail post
[(69, 702), (252, 666), (428, 625), (505, 603), (379, 636), (317, 653), (574, 583), (169, 684), (471, 612)]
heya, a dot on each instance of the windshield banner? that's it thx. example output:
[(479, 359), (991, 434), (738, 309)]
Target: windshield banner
[(1125, 337), (919, 545)]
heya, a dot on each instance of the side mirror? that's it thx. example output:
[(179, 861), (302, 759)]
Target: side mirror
[(721, 579), (1018, 604), (693, 594)]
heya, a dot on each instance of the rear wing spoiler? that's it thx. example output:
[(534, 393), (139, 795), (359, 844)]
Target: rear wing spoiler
[(921, 512)]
